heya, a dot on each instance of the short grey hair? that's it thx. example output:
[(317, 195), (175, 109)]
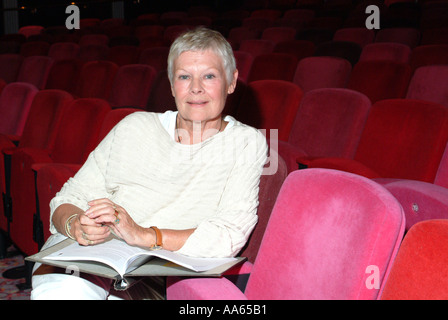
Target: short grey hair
[(202, 39)]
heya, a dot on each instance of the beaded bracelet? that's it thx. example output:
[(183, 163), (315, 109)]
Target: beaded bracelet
[(68, 225)]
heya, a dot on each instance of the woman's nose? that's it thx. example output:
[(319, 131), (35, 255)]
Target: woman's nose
[(196, 86)]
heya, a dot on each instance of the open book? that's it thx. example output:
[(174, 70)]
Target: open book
[(116, 259)]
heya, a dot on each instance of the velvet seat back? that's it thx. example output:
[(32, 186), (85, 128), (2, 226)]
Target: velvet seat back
[(322, 72), (380, 80), (273, 66), (132, 86), (329, 122), (96, 79), (15, 104), (430, 83), (74, 143), (404, 138), (270, 104), (329, 233), (420, 269)]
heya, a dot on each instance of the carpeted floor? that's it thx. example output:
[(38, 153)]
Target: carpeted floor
[(8, 287)]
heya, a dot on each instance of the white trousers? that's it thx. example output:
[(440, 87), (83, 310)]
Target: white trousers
[(60, 286)]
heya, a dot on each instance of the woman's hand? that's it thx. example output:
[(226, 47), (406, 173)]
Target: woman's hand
[(105, 212), (87, 232)]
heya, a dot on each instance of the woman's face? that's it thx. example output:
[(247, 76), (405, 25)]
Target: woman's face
[(200, 86)]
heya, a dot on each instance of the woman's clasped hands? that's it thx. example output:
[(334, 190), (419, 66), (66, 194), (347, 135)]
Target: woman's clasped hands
[(95, 224)]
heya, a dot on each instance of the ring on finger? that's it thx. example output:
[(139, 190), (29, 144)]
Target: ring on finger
[(84, 235), (90, 242), (117, 220)]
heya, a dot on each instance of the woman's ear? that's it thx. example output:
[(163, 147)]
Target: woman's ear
[(232, 85)]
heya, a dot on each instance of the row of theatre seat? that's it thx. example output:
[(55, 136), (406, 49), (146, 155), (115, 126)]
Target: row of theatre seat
[(390, 178), (384, 70), (397, 143)]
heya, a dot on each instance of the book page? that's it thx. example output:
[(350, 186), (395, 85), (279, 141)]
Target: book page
[(125, 258), (114, 253)]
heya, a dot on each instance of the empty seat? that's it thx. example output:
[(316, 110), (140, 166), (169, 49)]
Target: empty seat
[(161, 98), (35, 70), (315, 35), (395, 142), (40, 131), (34, 48), (132, 86), (96, 79), (361, 36), (329, 123), (77, 136), (322, 72), (172, 32), (279, 34), (434, 36), (64, 75), (407, 36), (330, 252), (270, 105), (430, 83), (380, 80), (30, 30), (343, 49), (298, 48), (156, 57), (123, 55), (10, 66), (390, 51), (257, 23), (63, 50), (256, 46), (89, 39), (419, 271), (428, 55), (274, 66), (93, 52), (238, 34), (244, 62), (15, 103)]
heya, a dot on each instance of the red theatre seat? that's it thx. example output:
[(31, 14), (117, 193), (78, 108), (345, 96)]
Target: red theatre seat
[(77, 136)]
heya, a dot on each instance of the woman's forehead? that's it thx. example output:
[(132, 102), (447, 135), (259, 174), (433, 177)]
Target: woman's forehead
[(206, 58)]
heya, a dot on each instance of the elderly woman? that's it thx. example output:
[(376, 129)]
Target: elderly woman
[(186, 180)]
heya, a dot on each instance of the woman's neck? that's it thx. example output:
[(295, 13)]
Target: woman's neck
[(192, 132)]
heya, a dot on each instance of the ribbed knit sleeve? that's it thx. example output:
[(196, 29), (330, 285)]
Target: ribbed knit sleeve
[(227, 231)]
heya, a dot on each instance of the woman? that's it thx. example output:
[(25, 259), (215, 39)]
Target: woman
[(185, 180)]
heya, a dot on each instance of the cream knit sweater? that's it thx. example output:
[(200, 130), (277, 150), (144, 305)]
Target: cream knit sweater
[(211, 186)]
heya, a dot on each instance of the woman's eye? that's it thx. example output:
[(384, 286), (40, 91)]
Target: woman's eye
[(210, 76), (183, 77)]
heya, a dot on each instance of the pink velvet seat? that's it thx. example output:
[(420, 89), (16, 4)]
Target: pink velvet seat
[(329, 123), (331, 235)]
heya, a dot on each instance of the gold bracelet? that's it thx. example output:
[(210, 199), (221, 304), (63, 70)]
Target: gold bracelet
[(68, 226)]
